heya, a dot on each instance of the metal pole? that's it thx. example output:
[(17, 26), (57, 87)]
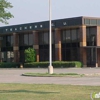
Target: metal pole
[(50, 33), (50, 68)]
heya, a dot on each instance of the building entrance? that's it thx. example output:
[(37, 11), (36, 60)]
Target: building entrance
[(91, 57)]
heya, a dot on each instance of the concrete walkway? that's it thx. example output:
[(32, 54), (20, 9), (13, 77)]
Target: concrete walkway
[(14, 76)]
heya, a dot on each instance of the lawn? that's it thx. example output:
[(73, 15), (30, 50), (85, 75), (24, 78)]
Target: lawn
[(46, 92), (52, 75)]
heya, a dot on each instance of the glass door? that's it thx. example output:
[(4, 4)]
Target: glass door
[(91, 57)]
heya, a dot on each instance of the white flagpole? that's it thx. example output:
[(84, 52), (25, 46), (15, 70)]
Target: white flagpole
[(50, 68)]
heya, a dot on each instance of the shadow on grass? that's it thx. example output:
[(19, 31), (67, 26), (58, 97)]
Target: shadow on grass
[(26, 91)]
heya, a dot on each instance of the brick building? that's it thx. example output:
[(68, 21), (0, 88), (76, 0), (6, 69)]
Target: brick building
[(73, 39)]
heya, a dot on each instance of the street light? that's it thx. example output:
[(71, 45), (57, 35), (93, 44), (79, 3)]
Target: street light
[(50, 67)]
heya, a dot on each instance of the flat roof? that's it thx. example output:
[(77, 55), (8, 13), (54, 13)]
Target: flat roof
[(59, 23)]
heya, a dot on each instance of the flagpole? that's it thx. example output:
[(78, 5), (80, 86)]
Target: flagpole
[(50, 68)]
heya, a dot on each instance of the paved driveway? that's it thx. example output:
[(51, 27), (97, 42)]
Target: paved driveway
[(14, 76)]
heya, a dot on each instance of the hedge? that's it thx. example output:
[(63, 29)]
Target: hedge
[(55, 64), (9, 65)]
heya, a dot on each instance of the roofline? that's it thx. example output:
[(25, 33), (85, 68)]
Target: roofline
[(88, 17), (42, 21), (57, 23)]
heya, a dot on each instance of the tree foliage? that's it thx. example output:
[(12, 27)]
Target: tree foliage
[(30, 55), (4, 13)]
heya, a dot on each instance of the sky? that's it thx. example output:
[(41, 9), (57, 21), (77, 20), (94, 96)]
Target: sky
[(28, 11)]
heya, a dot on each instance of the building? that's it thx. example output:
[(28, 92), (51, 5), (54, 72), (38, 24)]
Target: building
[(73, 39)]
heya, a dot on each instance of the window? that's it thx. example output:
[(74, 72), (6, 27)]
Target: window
[(93, 21), (91, 36), (70, 45), (74, 35), (63, 37), (7, 56), (7, 41), (3, 41), (68, 36), (25, 39), (41, 38), (44, 38), (44, 46), (21, 39), (87, 21), (30, 39), (11, 40)]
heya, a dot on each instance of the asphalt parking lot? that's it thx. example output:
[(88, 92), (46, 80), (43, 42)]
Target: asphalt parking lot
[(15, 76)]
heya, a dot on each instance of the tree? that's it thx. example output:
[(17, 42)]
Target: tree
[(30, 55), (4, 13)]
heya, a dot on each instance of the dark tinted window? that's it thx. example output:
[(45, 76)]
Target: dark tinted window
[(91, 36)]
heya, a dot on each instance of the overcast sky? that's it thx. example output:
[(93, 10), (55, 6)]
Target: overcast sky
[(28, 11)]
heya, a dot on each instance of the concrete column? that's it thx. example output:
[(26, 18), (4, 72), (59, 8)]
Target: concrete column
[(98, 44), (36, 44), (58, 53), (82, 32), (83, 56), (98, 57), (16, 47), (98, 35)]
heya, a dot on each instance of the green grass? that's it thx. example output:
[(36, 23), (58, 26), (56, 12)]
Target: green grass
[(46, 92), (51, 75)]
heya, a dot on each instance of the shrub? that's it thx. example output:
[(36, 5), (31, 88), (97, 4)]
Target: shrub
[(9, 65), (30, 55), (56, 64)]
